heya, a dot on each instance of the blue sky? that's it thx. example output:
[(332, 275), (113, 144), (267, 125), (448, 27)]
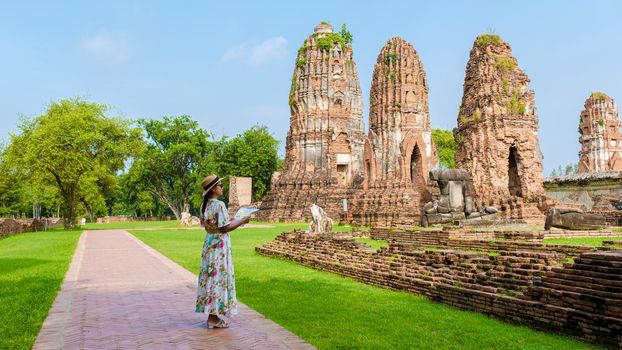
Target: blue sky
[(228, 63)]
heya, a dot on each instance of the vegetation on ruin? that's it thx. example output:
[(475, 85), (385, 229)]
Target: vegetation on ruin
[(345, 33), (506, 86), (601, 122), (515, 105), (344, 37), (390, 59), (301, 62), (292, 89), (487, 39), (474, 117), (32, 268), (328, 40), (504, 63), (446, 147), (393, 320), (598, 95)]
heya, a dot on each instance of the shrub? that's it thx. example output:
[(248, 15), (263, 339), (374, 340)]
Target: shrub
[(326, 42)]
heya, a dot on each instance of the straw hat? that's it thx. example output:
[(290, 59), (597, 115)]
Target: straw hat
[(209, 182)]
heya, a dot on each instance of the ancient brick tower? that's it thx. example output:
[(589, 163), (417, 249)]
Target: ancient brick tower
[(399, 151), (599, 127), (497, 129), (324, 146)]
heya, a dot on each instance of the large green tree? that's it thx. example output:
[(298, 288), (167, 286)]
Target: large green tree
[(170, 168), (253, 154), (445, 147), (72, 143)]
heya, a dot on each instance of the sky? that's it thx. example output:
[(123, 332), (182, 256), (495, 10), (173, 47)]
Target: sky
[(228, 64)]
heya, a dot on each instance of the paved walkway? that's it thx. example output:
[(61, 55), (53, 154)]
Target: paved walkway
[(121, 294)]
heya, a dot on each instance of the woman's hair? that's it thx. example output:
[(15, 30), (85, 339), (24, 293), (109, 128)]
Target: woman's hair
[(206, 198)]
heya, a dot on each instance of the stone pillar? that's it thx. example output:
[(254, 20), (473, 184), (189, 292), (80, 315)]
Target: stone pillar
[(240, 191)]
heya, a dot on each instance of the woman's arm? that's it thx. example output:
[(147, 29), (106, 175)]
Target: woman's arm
[(234, 224)]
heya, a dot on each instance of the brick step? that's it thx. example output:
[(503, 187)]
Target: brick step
[(596, 268), (599, 262), (586, 279), (569, 269), (586, 292), (609, 307), (586, 285)]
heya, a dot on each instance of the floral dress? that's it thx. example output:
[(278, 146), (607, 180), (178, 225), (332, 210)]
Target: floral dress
[(216, 290)]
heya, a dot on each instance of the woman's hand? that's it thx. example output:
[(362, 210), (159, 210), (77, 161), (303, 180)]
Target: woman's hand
[(235, 224)]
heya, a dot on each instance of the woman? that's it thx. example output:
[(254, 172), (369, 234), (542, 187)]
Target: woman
[(216, 292)]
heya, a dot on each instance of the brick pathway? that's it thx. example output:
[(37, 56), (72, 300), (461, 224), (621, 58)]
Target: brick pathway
[(121, 294)]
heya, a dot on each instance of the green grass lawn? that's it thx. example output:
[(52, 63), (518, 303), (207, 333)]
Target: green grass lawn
[(133, 225), (373, 243), (590, 241), (333, 312), (32, 268)]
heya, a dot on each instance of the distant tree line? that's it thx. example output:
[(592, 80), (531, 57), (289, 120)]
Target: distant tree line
[(77, 161), (568, 169)]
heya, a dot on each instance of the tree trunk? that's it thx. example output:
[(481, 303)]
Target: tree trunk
[(69, 216)]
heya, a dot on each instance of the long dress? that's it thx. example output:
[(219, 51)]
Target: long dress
[(216, 290)]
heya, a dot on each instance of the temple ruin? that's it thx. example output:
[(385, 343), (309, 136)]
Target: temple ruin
[(324, 146), (399, 151), (497, 131), (600, 138)]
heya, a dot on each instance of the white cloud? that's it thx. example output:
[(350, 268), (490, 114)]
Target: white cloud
[(269, 50), (107, 47)]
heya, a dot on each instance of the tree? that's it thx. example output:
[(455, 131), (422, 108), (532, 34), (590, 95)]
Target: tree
[(72, 141), (170, 168), (253, 154), (445, 147)]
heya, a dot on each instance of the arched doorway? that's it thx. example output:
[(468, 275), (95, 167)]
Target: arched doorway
[(416, 167), (513, 178)]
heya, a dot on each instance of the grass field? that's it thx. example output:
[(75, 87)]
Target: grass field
[(333, 312), (32, 268), (591, 241), (132, 225)]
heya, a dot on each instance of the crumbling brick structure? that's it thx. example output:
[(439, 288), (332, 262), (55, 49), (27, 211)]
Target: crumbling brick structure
[(497, 129), (399, 151), (600, 138), (324, 145), (523, 282)]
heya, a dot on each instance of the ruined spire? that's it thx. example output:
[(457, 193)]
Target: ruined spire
[(498, 124)]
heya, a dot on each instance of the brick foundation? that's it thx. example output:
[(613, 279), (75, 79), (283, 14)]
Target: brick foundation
[(521, 282)]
